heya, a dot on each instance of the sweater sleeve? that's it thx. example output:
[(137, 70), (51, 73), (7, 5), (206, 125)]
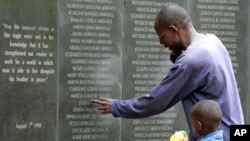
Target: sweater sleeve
[(173, 88)]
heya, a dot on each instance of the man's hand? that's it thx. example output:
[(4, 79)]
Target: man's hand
[(104, 104)]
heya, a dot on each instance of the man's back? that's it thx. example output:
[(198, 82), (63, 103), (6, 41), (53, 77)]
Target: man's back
[(214, 78)]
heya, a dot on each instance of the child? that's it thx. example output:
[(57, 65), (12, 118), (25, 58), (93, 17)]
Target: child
[(206, 117)]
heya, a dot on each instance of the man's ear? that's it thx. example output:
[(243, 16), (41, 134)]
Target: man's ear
[(173, 28)]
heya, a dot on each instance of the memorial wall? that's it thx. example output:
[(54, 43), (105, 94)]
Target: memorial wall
[(56, 55), (28, 66)]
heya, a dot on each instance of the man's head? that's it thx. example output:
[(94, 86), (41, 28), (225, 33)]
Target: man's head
[(172, 27), (206, 116)]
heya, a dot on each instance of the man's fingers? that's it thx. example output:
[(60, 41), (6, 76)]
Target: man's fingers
[(97, 101), (105, 109), (101, 101), (102, 107), (104, 104)]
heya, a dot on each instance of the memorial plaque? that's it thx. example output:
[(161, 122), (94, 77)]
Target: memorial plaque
[(90, 45), (225, 18), (28, 70), (145, 64)]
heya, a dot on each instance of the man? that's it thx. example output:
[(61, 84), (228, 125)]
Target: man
[(201, 70)]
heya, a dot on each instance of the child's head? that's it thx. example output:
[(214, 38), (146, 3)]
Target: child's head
[(206, 116)]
